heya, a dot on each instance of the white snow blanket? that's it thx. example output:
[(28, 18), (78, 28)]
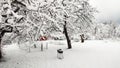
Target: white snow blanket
[(91, 54)]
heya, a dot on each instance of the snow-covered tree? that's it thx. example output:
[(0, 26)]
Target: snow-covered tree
[(68, 16), (118, 31), (10, 18)]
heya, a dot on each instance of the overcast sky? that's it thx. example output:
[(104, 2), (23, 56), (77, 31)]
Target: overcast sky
[(108, 9)]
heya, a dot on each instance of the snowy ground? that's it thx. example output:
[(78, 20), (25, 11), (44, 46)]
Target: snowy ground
[(91, 54)]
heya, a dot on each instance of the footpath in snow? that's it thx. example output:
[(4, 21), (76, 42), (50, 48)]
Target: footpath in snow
[(91, 54)]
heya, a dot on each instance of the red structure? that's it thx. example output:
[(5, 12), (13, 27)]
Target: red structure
[(43, 38)]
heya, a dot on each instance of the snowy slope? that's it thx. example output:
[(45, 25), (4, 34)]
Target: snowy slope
[(91, 54)]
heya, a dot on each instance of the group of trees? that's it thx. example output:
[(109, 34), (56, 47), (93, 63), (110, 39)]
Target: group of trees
[(106, 30), (27, 20)]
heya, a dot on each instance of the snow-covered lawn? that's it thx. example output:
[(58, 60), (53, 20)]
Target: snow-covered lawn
[(91, 54)]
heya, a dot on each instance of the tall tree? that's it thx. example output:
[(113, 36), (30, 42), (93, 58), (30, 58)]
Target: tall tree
[(4, 30), (52, 12), (79, 15), (9, 19), (66, 34)]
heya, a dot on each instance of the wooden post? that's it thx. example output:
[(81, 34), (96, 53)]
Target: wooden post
[(35, 46), (46, 45), (29, 49), (41, 46)]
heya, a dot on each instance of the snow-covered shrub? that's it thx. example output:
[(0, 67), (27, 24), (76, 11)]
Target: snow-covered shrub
[(6, 42), (58, 36)]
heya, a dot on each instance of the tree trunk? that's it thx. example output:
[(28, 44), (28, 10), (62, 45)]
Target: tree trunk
[(67, 37), (0, 49), (82, 38)]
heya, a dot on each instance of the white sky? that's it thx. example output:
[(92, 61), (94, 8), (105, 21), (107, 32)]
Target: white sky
[(108, 9)]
